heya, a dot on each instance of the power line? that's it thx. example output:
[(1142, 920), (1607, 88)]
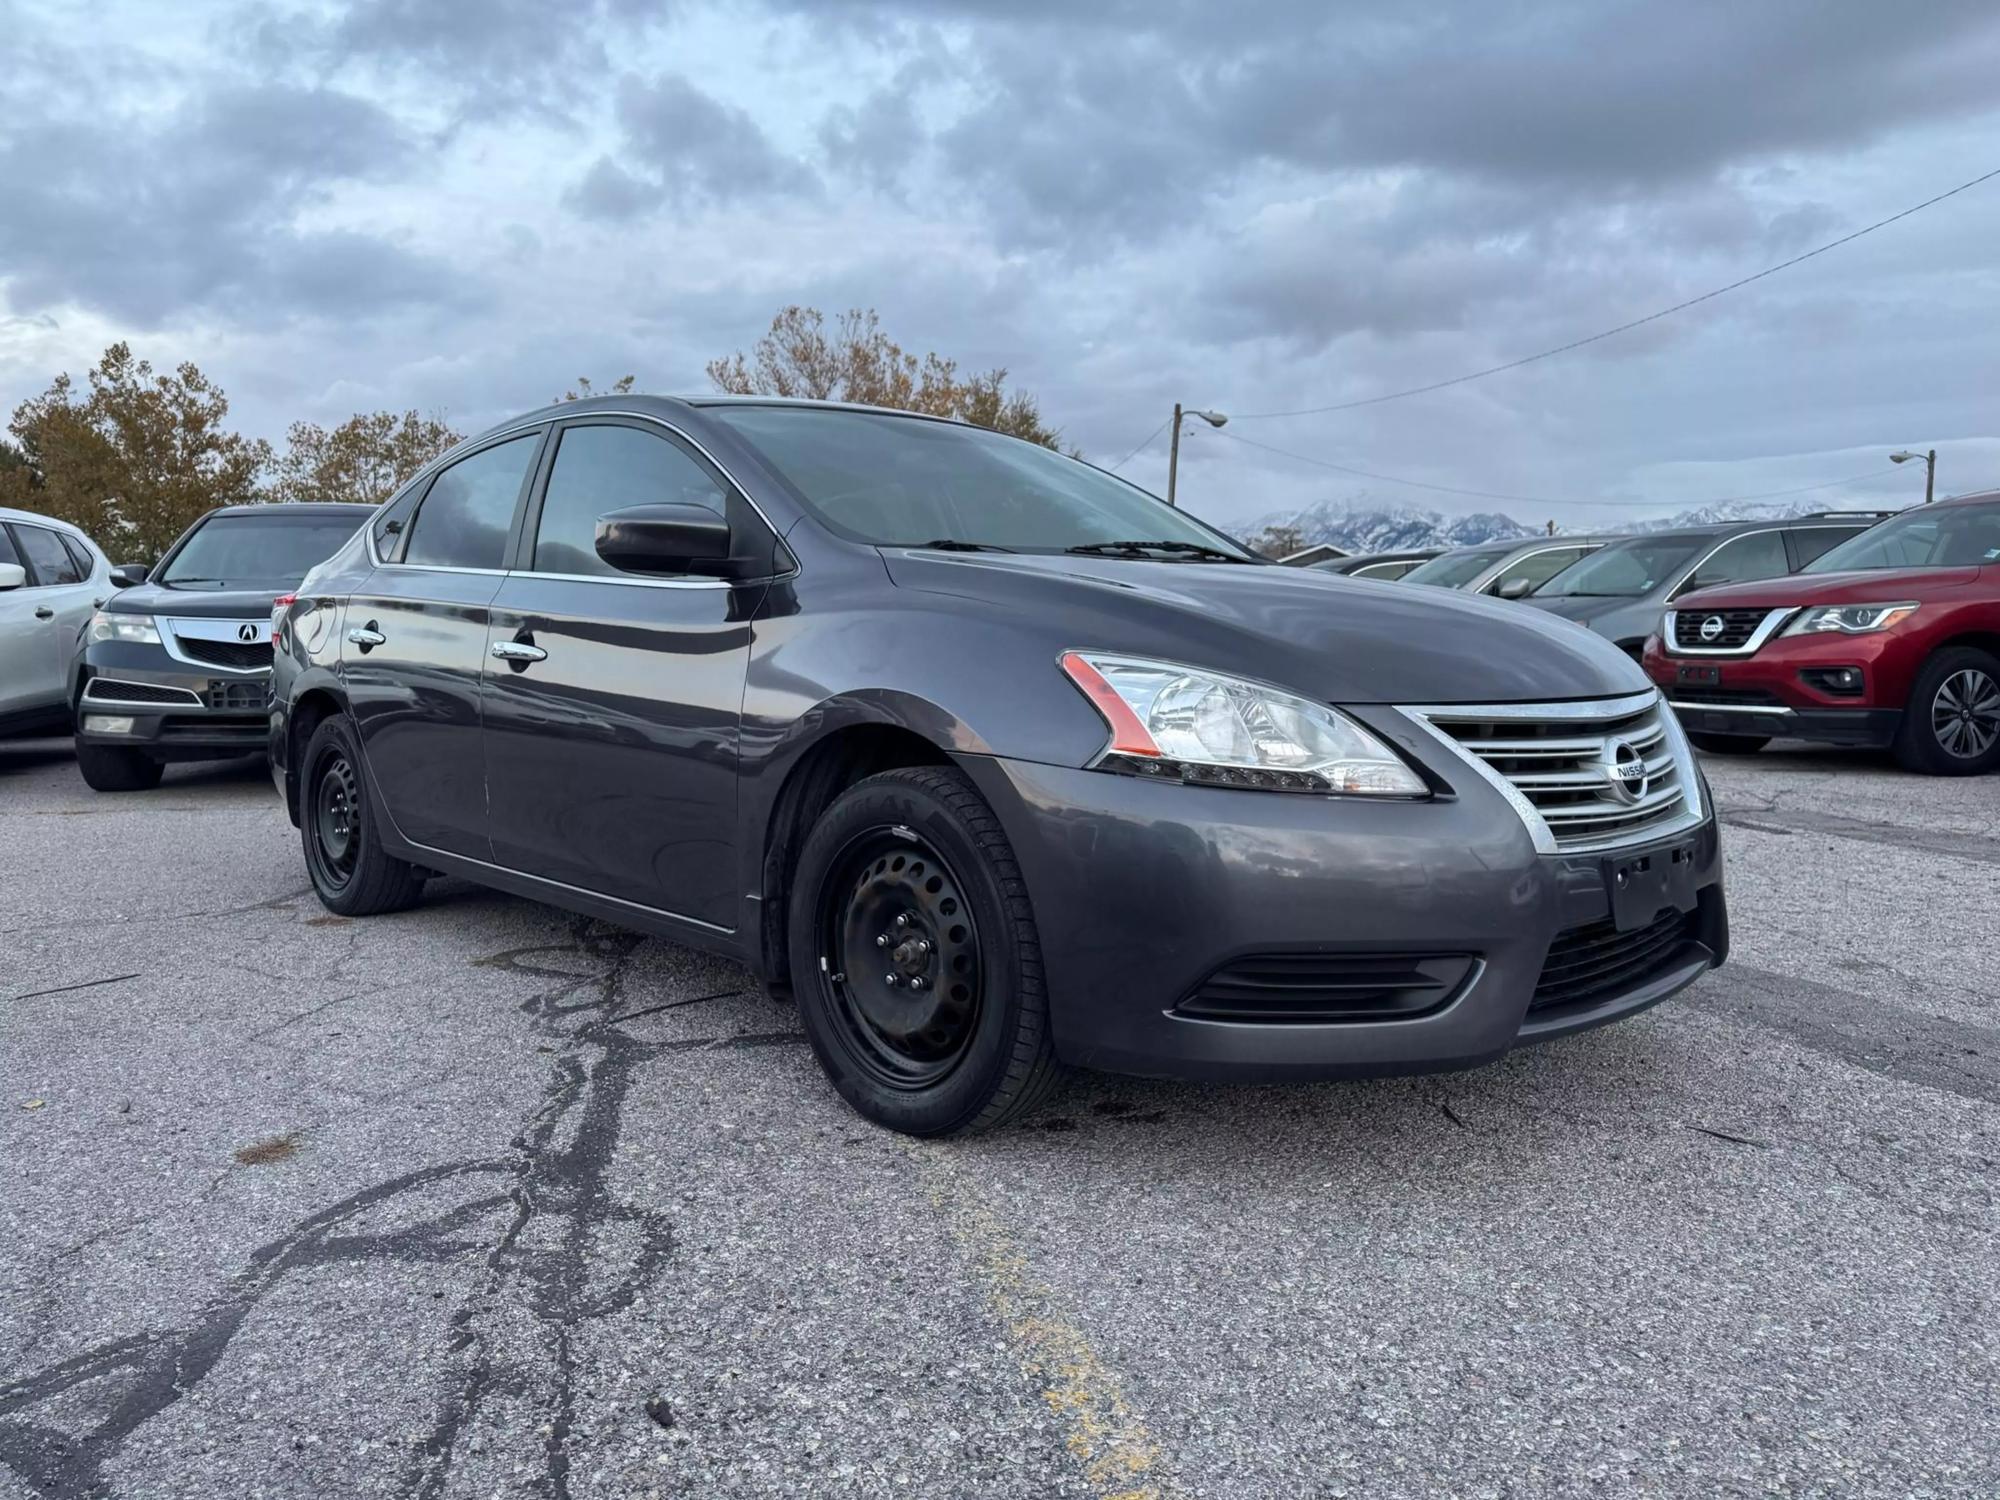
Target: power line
[(1447, 489), (1528, 359), (1114, 468)]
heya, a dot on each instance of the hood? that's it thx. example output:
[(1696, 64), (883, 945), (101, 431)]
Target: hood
[(1324, 635), (193, 604), (1864, 586), (1581, 608)]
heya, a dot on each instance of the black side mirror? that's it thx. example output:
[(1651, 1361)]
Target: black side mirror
[(1516, 588), (128, 575), (665, 539)]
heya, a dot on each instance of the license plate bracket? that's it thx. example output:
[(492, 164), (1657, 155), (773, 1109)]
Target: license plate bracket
[(1699, 676), (1641, 886)]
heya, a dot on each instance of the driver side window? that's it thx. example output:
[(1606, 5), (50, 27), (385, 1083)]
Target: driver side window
[(604, 467)]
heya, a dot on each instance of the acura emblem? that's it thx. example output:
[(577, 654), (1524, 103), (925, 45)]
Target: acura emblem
[(247, 631), (1624, 770), (1711, 627)]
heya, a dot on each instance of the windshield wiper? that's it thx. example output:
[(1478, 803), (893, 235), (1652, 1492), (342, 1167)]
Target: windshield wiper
[(953, 544), (1140, 549)]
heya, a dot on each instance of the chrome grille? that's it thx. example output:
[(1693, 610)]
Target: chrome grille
[(1560, 765), (1717, 629)]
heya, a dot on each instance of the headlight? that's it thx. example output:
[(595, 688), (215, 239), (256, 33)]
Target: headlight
[(1170, 721), (140, 628), (1849, 619)]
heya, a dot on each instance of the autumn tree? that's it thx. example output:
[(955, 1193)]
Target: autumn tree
[(622, 386), (1277, 541), (857, 361), (134, 458), (366, 458)]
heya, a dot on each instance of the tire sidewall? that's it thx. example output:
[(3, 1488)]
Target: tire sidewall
[(958, 1099), (1917, 745), (334, 735)]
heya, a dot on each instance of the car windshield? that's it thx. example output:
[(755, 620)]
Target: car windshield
[(270, 549), (906, 481), (1454, 570), (1944, 536), (1626, 570)]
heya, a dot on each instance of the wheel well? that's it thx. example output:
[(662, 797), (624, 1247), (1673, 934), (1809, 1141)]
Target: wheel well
[(829, 768), (312, 709), (1984, 640)]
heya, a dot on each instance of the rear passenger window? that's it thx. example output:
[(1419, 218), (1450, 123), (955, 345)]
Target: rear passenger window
[(47, 556), (601, 469), (78, 554), (465, 517), (1810, 541), (1758, 555)]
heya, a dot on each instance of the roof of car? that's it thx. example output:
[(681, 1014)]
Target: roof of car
[(297, 508), (8, 513)]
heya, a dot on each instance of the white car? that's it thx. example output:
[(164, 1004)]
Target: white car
[(51, 577)]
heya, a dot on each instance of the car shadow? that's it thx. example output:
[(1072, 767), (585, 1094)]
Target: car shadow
[(28, 755)]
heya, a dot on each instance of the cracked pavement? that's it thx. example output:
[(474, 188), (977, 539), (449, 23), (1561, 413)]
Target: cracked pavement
[(549, 1209)]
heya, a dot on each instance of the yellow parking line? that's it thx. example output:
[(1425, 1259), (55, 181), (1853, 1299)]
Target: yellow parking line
[(1106, 1435)]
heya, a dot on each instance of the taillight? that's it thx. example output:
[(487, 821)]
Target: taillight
[(278, 607)]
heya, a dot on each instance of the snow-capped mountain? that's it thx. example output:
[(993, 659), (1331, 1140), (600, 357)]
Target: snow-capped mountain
[(1363, 527)]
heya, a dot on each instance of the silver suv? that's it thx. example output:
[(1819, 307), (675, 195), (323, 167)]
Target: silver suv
[(51, 577)]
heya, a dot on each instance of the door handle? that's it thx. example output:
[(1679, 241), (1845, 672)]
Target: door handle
[(518, 651), (43, 612), (366, 636)]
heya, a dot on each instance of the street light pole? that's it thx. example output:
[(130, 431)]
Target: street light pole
[(1930, 468), (1213, 418)]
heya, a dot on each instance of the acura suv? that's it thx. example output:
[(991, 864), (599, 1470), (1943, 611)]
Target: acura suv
[(990, 759), (1890, 640), (176, 663)]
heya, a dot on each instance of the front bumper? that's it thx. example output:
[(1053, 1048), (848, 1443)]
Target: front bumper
[(1146, 891), (1772, 694), (178, 711)]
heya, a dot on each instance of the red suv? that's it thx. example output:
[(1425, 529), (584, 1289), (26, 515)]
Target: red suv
[(1890, 639)]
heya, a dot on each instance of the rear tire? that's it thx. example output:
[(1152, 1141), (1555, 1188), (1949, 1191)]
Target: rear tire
[(1728, 744), (1951, 725), (113, 768), (351, 873), (909, 878)]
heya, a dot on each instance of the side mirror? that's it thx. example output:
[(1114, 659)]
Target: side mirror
[(128, 575), (665, 539), (1516, 588), (12, 576)]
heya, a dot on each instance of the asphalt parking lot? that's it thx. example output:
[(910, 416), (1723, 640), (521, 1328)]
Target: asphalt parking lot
[(483, 1199)]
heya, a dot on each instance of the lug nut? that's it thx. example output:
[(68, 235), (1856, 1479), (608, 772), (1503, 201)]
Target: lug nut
[(882, 941), (890, 980), (917, 983), (902, 919), (923, 945)]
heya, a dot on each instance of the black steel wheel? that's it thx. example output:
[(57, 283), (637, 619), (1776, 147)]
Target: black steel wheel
[(351, 873), (914, 956), (1951, 726), (900, 951)]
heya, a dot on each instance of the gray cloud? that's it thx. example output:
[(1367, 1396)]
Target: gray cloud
[(682, 147)]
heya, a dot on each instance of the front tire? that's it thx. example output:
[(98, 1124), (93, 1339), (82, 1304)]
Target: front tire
[(351, 873), (113, 768), (915, 959), (1728, 744), (1951, 726)]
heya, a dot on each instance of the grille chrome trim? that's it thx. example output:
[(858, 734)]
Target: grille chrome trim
[(1768, 627), (220, 632), (1539, 775)]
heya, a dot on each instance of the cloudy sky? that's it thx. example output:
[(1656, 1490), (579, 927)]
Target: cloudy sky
[(1257, 208)]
